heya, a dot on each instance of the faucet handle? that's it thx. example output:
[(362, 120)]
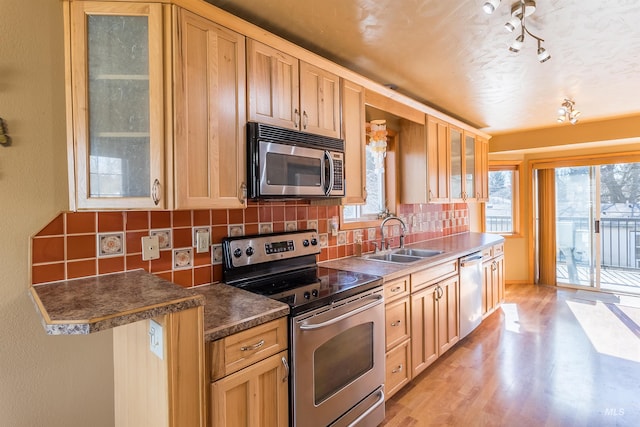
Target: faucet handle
[(375, 247), (401, 241)]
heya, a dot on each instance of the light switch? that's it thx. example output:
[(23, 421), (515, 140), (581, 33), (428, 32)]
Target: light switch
[(150, 248), (156, 339), (202, 241)]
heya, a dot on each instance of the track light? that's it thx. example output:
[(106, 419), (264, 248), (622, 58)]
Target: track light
[(567, 111), (519, 11), (490, 6)]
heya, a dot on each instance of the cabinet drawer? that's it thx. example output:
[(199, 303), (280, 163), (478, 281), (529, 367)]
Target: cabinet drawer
[(498, 250), (398, 368), (396, 289), (240, 350), (397, 319), (487, 253), (431, 275)]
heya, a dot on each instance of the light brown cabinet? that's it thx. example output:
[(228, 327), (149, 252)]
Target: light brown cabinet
[(435, 318), (287, 92), (250, 377), (438, 164), (463, 165), (482, 169), (397, 334), (354, 134), (209, 115), (492, 279), (413, 156), (116, 105)]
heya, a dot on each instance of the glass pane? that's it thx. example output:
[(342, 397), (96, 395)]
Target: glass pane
[(574, 204), (499, 208), (456, 164), (294, 171), (375, 202), (119, 143), (470, 165), (341, 360)]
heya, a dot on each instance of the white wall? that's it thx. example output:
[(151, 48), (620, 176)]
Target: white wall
[(44, 381)]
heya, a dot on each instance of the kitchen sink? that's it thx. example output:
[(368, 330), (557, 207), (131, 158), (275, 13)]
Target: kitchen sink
[(421, 253), (393, 257)]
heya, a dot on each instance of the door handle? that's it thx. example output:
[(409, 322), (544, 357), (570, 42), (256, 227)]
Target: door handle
[(327, 156), (286, 369), (378, 300)]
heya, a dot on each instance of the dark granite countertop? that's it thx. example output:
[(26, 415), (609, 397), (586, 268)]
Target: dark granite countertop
[(93, 304), (455, 246), (229, 310)]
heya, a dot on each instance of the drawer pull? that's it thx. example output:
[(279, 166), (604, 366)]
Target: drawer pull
[(286, 369), (252, 347), (396, 289), (396, 370), (396, 323)]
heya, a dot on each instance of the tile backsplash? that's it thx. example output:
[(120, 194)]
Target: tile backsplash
[(81, 244)]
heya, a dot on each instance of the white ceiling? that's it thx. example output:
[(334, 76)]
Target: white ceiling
[(450, 55)]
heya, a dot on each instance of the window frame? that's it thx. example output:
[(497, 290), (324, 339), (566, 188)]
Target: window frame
[(515, 167)]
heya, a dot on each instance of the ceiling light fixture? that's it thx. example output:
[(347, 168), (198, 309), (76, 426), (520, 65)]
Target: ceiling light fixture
[(519, 11), (567, 111)]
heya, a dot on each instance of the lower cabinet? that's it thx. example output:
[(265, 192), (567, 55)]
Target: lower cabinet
[(492, 279), (397, 335), (249, 375)]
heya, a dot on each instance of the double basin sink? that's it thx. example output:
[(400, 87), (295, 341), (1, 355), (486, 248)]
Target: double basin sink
[(402, 255)]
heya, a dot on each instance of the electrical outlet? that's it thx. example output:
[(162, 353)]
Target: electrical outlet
[(202, 241), (150, 248), (156, 339)]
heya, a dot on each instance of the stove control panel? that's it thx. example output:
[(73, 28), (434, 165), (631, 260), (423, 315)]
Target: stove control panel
[(251, 250)]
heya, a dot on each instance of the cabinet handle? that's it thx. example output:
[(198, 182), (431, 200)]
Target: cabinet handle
[(494, 266), (286, 369), (364, 193), (252, 347), (243, 193), (296, 117), (155, 192), (305, 120), (396, 289), (430, 195), (397, 369), (396, 323)]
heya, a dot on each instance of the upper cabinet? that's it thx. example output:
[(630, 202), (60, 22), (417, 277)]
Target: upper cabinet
[(286, 92), (482, 169), (209, 115), (115, 79), (354, 134), (463, 165), (438, 155)]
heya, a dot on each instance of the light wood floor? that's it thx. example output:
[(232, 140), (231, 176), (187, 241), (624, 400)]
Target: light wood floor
[(544, 359)]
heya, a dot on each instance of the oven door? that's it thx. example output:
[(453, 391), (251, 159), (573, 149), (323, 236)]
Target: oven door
[(288, 170), (338, 363)]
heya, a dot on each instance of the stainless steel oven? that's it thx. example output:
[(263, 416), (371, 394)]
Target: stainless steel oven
[(336, 326), (286, 163)]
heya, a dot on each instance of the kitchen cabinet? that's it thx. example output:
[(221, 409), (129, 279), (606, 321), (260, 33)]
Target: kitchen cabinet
[(115, 105), (287, 92), (209, 115), (413, 156), (492, 278), (438, 164), (482, 169), (397, 334), (434, 313), (463, 164), (249, 376), (354, 134)]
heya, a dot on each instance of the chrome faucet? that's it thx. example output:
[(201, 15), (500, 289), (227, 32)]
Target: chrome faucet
[(404, 230)]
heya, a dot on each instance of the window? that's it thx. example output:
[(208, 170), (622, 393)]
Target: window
[(502, 209), (375, 203)]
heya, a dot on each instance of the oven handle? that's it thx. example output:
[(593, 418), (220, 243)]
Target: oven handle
[(327, 155), (378, 300), (368, 411)]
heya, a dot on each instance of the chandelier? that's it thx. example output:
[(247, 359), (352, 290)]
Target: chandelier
[(378, 142), (567, 111), (519, 11)]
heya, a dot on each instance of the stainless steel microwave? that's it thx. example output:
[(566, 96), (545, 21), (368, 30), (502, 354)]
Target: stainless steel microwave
[(285, 163)]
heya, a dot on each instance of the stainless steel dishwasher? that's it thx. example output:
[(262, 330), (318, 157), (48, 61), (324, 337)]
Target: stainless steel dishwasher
[(470, 293)]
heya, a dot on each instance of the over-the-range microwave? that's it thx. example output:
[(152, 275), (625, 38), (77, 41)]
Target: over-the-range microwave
[(285, 163)]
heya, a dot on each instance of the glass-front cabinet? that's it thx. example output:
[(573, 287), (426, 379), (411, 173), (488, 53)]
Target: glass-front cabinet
[(463, 164), (116, 93)]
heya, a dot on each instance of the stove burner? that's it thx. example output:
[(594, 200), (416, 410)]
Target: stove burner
[(346, 279)]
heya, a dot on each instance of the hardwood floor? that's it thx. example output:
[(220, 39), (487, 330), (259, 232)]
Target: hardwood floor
[(545, 358)]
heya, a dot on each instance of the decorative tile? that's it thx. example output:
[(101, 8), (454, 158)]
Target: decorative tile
[(357, 235), (312, 224), (342, 237), (182, 258), (371, 233), (110, 244), (194, 242), (266, 228), (164, 238), (324, 240), (216, 254), (236, 230), (290, 225)]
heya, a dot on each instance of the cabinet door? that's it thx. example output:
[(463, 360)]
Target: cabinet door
[(256, 396), (482, 170), (469, 167), (424, 329), (353, 128), (498, 280), (398, 368), (438, 160), (116, 89), (413, 155), (273, 81), (456, 149), (319, 101), (448, 314), (487, 288), (209, 115), (397, 319)]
